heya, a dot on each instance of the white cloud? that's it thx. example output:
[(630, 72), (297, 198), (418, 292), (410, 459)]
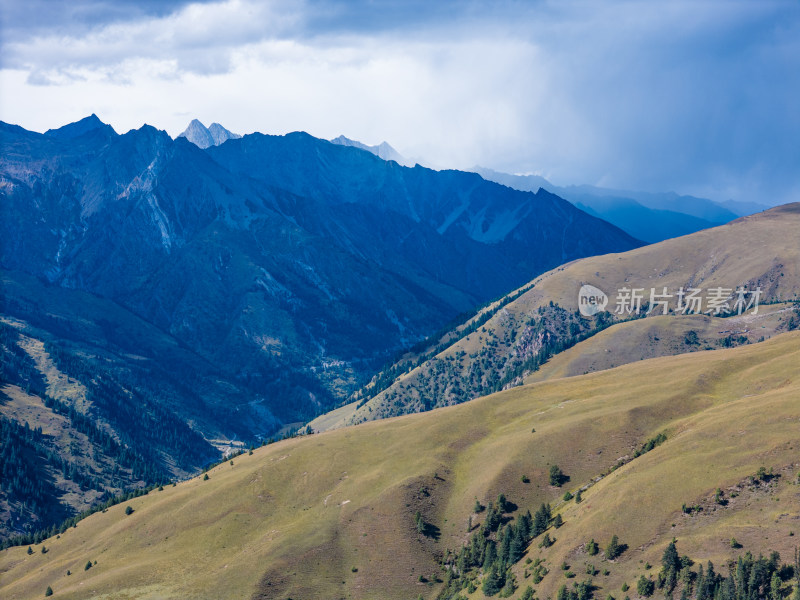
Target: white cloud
[(616, 93)]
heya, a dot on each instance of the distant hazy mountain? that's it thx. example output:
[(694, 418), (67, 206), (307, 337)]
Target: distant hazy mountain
[(646, 216), (382, 150), (203, 136), (743, 208)]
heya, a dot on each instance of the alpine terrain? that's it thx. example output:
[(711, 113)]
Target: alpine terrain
[(165, 304), (668, 467)]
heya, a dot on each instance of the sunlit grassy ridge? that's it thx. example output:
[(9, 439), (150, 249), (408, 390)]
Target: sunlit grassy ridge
[(332, 515), (670, 335), (759, 251)]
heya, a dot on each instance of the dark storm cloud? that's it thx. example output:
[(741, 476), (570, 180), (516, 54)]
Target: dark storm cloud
[(699, 97), (22, 19)]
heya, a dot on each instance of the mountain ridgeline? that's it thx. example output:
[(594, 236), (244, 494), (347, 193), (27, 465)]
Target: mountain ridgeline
[(506, 342), (242, 288), (652, 217)]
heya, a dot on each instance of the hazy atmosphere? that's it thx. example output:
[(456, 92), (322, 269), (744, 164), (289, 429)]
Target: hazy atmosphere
[(696, 97)]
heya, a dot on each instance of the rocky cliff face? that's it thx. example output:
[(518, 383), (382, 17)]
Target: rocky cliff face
[(204, 137)]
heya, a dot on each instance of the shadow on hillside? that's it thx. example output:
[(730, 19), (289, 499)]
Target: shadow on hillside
[(432, 531)]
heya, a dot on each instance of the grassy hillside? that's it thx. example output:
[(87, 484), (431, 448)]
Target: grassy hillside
[(759, 251), (333, 515), (669, 335)]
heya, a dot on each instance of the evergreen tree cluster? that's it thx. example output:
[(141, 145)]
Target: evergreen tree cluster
[(137, 414), (432, 346), (500, 362), (579, 591), (29, 458), (498, 544), (749, 578), (650, 444), (16, 366), (21, 476)]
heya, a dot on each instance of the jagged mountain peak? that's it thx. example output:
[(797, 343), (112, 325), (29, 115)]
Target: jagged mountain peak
[(82, 127), (220, 134), (383, 150), (205, 137)]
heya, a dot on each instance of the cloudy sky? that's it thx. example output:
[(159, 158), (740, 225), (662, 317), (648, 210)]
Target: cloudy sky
[(698, 97)]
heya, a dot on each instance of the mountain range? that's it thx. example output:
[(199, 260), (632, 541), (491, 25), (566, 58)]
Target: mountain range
[(233, 293), (652, 217)]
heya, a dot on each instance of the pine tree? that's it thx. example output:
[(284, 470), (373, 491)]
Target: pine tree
[(775, 587), (505, 544), (613, 549), (670, 563), (492, 583), (508, 588), (556, 476), (527, 594), (502, 503), (583, 591), (797, 558), (728, 588), (525, 525), (541, 520), (645, 586), (489, 555), (463, 561), (701, 583), (671, 560), (48, 591), (518, 544)]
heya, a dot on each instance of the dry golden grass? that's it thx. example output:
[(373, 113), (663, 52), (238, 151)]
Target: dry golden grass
[(661, 336), (297, 517)]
